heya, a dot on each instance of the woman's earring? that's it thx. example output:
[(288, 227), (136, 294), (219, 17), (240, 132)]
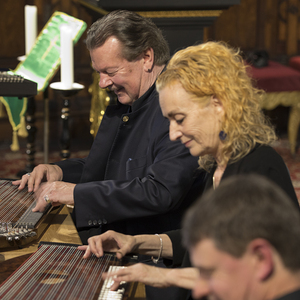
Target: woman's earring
[(222, 135)]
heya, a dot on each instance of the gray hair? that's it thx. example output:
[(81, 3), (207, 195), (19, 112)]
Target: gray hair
[(136, 33)]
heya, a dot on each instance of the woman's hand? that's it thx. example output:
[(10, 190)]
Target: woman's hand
[(154, 276), (109, 241)]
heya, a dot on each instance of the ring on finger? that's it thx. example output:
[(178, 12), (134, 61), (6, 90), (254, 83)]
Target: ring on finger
[(28, 174), (46, 198)]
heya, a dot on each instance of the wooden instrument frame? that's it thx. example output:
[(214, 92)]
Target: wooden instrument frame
[(58, 228)]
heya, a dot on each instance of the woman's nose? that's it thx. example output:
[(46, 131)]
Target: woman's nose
[(174, 132)]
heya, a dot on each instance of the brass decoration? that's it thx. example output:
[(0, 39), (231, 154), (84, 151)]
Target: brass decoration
[(180, 13), (101, 98), (270, 101)]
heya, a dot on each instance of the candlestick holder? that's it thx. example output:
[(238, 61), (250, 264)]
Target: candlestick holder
[(66, 93)]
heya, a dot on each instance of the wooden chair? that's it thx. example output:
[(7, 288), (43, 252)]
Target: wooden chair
[(282, 86)]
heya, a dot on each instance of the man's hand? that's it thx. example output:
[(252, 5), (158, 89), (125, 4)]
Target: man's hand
[(40, 173), (56, 193)]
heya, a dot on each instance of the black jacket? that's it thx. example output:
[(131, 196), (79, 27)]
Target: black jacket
[(134, 179), (292, 296)]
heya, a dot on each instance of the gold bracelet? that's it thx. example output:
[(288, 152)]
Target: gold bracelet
[(155, 260)]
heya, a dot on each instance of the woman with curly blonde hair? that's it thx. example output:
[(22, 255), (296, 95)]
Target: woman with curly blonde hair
[(213, 108), (213, 69)]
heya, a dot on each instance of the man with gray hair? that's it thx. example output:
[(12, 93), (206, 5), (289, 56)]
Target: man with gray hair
[(134, 179)]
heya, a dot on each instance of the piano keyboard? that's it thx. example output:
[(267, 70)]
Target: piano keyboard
[(106, 293)]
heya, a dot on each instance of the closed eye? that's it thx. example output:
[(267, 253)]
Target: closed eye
[(179, 121), (111, 74)]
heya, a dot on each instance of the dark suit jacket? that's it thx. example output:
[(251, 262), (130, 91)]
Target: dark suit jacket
[(134, 179), (292, 296)]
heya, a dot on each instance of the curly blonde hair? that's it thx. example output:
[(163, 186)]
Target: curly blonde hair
[(215, 69)]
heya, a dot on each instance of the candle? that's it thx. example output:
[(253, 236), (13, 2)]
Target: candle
[(30, 26), (66, 56)]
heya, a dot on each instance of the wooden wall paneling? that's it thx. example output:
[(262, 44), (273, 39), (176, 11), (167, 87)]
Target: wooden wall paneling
[(282, 14), (260, 29), (282, 27), (66, 6), (11, 32), (270, 26), (298, 25), (44, 12), (56, 5), (236, 26), (246, 24), (298, 30), (292, 27), (83, 56), (267, 26), (40, 10), (224, 27)]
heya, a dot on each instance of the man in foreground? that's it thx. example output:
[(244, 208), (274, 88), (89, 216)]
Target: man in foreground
[(244, 238)]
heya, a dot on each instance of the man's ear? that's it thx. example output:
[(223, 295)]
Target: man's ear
[(148, 56), (263, 256)]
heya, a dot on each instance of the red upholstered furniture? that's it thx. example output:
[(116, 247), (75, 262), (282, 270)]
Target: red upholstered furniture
[(282, 86), (294, 62), (276, 78)]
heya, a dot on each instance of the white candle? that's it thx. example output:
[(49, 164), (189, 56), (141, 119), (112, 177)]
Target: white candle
[(66, 56), (30, 26)]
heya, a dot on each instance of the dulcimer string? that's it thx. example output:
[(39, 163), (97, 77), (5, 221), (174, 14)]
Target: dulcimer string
[(13, 201), (58, 272)]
